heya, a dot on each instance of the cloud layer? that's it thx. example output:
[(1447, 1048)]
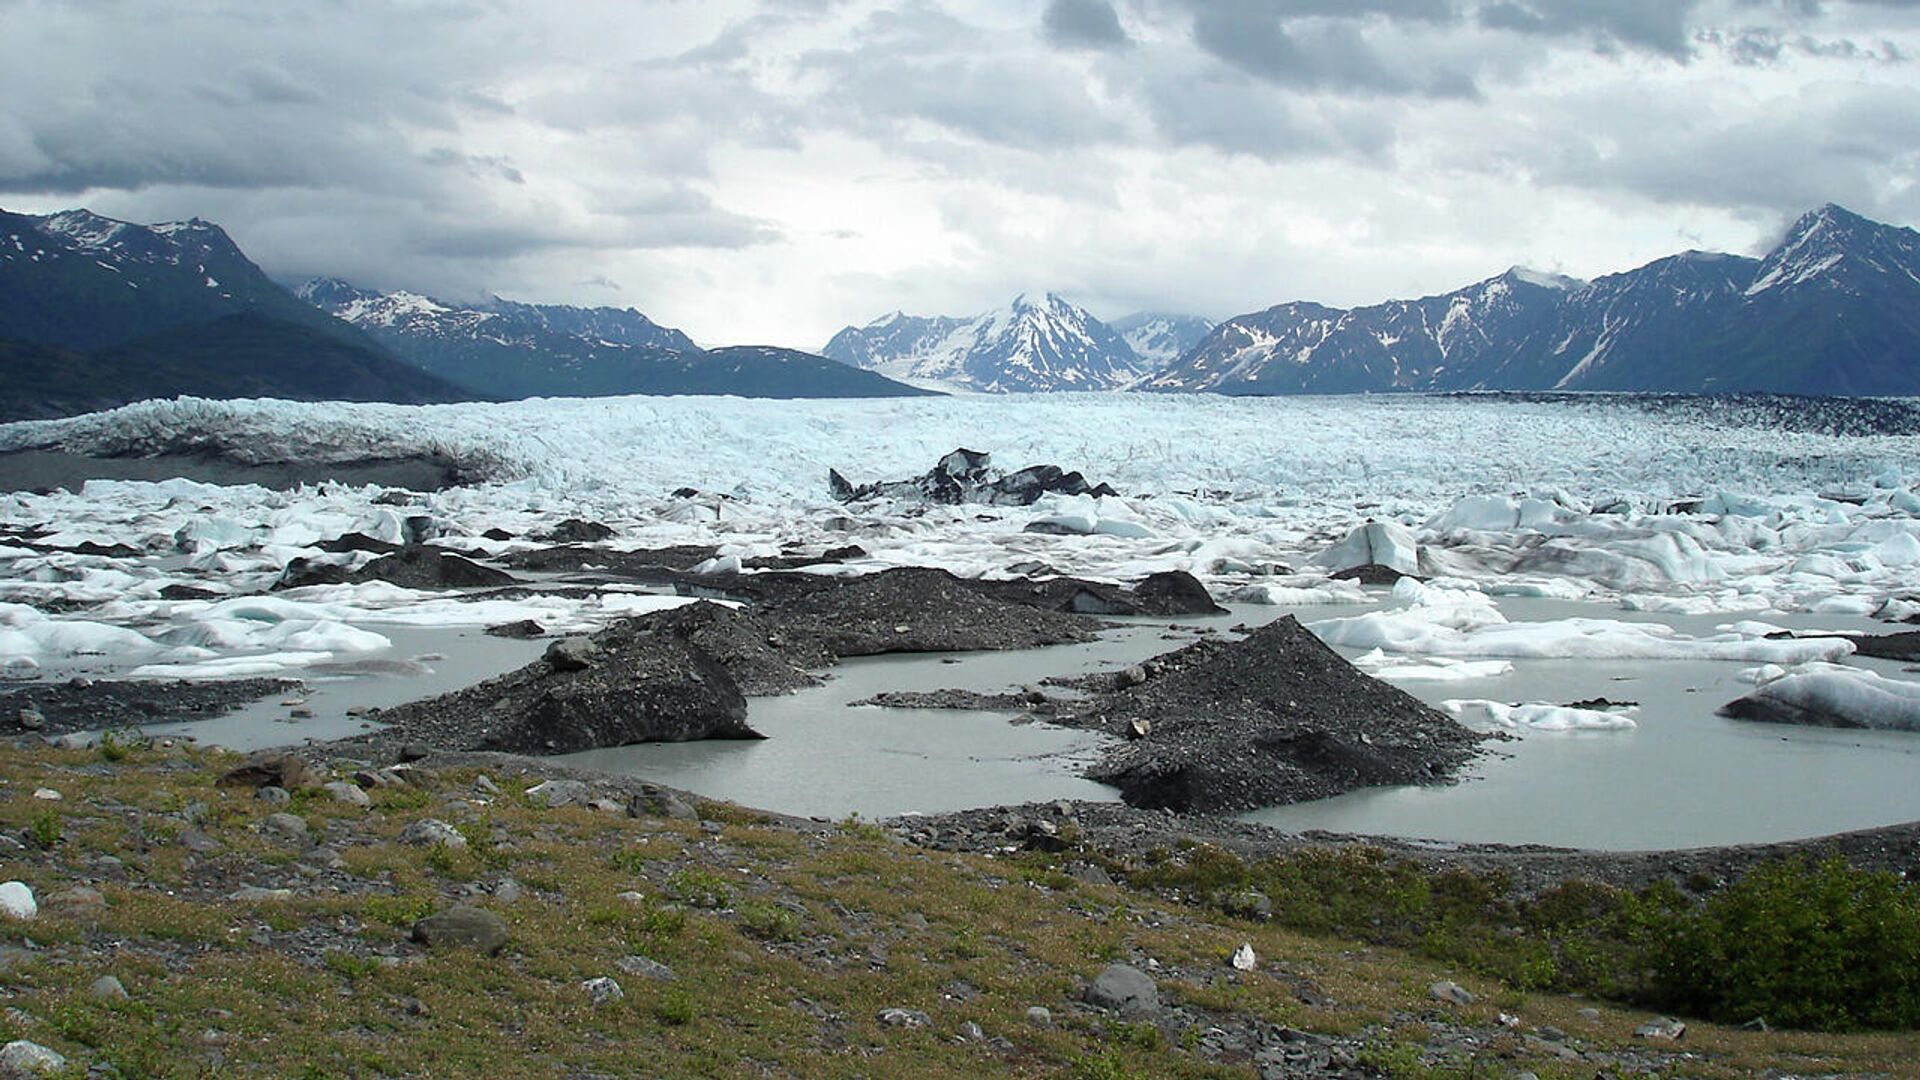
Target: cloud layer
[(767, 171)]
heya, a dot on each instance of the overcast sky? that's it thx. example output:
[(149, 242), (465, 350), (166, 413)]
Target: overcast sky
[(768, 170)]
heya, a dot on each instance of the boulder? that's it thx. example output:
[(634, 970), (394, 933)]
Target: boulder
[(284, 827), (462, 926), (1450, 993), (552, 793), (655, 801), (1123, 989), (431, 832), (23, 1058), (424, 567), (577, 531), (572, 654), (17, 902), (603, 990), (273, 768)]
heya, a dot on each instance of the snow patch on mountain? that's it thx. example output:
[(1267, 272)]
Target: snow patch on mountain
[(1034, 344)]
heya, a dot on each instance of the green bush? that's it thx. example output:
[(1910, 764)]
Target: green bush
[(1801, 945)]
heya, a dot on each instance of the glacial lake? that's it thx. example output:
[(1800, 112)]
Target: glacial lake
[(1683, 778)]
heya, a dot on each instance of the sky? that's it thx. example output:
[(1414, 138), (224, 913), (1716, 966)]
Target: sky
[(767, 171)]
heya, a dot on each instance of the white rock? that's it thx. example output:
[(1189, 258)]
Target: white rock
[(46, 793), (17, 902), (603, 990), (1243, 958)]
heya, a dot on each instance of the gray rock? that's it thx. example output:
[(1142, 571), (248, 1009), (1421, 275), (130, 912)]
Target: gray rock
[(21, 1057), (903, 1018), (972, 1032), (1450, 992), (1663, 1029), (484, 785), (464, 927), (1040, 1016), (284, 827), (554, 793), (655, 801), (572, 654), (432, 832), (274, 796), (32, 719), (1125, 990), (109, 988), (201, 844), (351, 794), (509, 891), (645, 968), (1590, 1015), (79, 903), (254, 894), (603, 990)]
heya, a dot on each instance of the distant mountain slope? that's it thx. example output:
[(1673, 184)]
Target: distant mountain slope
[(78, 279), (1159, 339), (96, 312), (1834, 309), (236, 356), (1031, 345), (512, 350)]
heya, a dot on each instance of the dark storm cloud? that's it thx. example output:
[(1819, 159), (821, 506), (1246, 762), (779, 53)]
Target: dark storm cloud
[(1083, 24)]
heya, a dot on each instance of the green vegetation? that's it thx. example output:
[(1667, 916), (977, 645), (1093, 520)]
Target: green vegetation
[(752, 948)]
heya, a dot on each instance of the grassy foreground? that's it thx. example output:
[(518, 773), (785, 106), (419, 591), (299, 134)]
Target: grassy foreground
[(785, 945)]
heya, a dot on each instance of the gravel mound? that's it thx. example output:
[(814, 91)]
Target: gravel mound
[(1274, 718)]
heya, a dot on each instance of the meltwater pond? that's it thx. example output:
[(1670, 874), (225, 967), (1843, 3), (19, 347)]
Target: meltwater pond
[(1683, 778)]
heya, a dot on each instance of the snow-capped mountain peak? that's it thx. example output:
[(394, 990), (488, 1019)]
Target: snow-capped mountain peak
[(1037, 342)]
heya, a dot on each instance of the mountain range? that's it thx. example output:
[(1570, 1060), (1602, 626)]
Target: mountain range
[(509, 350), (96, 312), (1832, 309), (1034, 344)]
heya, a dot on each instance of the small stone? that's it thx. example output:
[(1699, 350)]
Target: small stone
[(256, 894), (572, 654), (17, 902), (485, 785), (553, 793), (603, 990), (21, 1057), (300, 713), (645, 968), (1243, 958), (464, 926), (413, 751), (274, 796), (903, 629), (284, 827), (509, 891), (1139, 728), (32, 719), (200, 843), (1552, 1034), (1450, 992), (972, 1032), (431, 832), (351, 794), (46, 794), (1590, 1015), (1125, 990), (904, 1018), (1040, 1016), (109, 988)]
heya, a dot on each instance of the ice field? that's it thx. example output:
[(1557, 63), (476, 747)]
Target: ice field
[(1666, 531)]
